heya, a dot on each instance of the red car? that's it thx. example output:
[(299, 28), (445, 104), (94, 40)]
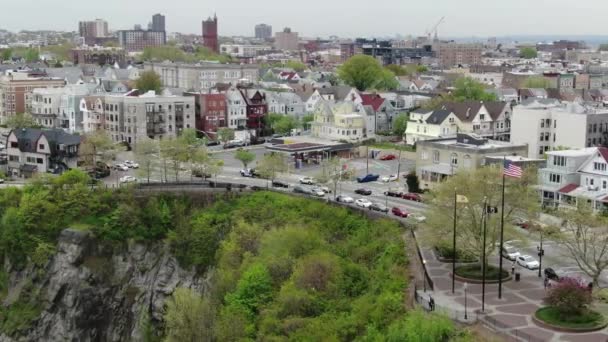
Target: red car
[(412, 197), (388, 157), (400, 212)]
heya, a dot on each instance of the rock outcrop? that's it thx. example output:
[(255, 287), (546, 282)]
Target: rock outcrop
[(92, 291)]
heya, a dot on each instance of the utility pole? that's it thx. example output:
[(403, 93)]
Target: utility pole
[(399, 165), (483, 258), (454, 243), (502, 232), (541, 252), (367, 160)]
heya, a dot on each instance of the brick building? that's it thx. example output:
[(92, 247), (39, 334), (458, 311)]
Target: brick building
[(210, 111), (99, 55), (138, 40), (210, 40), (454, 54)]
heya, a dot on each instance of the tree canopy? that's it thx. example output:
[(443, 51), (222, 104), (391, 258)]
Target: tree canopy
[(528, 52), (148, 80), (296, 65), (467, 88), (244, 156), (365, 72), (225, 134), (21, 120), (400, 124)]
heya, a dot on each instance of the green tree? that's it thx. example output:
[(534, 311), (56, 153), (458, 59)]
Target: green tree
[(400, 124), (285, 124), (296, 65), (306, 120), (148, 80), (146, 154), (528, 52), (419, 326), (31, 55), (244, 156), (253, 290), (225, 134), (536, 82), (331, 173), (467, 88), (365, 72), (162, 53), (584, 234), (188, 317), (413, 184), (520, 198), (97, 146), (6, 54), (21, 120), (398, 70), (271, 165)]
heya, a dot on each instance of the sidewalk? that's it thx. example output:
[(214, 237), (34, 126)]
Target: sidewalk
[(511, 315)]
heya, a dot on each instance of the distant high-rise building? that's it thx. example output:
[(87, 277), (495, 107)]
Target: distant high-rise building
[(286, 40), (210, 40), (137, 40), (90, 30), (263, 31), (158, 23)]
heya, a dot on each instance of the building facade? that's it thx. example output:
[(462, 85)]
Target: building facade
[(158, 23), (210, 34), (210, 112), (263, 31), (286, 40), (338, 122), (99, 56), (138, 40), (89, 31), (455, 54)]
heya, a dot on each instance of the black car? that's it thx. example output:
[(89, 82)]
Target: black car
[(551, 274), (302, 190), (212, 143), (379, 207), (364, 192), (391, 193), (279, 184)]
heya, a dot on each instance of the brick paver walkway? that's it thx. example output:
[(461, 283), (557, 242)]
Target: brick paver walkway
[(510, 315)]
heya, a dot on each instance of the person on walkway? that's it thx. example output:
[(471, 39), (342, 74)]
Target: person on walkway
[(513, 268), (546, 283), (431, 303)]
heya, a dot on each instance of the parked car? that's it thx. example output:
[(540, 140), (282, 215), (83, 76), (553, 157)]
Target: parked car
[(412, 197), (363, 191), (391, 178), (399, 212), (248, 173), (307, 180), (212, 143), (198, 172), (379, 207), (392, 193), (509, 252), (520, 222), (324, 189), (528, 262), (417, 217), (131, 164), (388, 157), (127, 179), (551, 274), (344, 199), (234, 144), (279, 184), (317, 192), (1, 180), (368, 178), (121, 167), (301, 190), (363, 203)]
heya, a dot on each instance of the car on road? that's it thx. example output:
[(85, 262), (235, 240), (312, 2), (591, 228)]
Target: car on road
[(279, 184), (121, 167), (393, 193), (131, 164), (213, 143), (344, 199), (522, 223), (379, 207), (417, 217), (234, 144), (301, 190), (363, 191), (127, 179), (317, 192), (363, 203), (390, 178), (399, 212), (509, 252), (1, 180), (368, 178), (324, 189), (248, 173), (410, 196), (527, 261), (551, 274), (388, 157), (307, 180)]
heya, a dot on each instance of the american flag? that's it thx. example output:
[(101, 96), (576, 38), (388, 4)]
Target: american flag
[(512, 170)]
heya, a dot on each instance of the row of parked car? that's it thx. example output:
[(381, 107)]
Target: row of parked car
[(367, 204), (126, 165)]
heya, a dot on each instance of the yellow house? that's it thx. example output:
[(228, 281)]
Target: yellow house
[(338, 122)]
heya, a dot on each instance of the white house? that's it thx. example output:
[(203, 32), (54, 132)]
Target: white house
[(236, 109), (428, 124)]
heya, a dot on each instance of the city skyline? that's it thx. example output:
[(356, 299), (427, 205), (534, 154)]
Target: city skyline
[(464, 18)]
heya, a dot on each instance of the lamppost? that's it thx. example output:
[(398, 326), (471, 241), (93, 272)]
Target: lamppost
[(465, 301), (541, 252), (424, 275)]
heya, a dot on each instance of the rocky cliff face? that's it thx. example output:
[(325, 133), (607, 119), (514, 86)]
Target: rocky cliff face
[(94, 292)]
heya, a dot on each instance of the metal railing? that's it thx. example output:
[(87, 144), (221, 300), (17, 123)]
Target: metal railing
[(429, 280), (462, 316)]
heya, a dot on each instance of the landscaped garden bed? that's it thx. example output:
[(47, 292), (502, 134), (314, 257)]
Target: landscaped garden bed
[(472, 273)]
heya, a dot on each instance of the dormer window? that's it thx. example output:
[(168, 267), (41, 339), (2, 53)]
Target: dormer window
[(41, 146)]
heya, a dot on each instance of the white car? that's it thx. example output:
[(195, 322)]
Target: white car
[(128, 179), (417, 217), (324, 189), (307, 180), (131, 164), (391, 178), (509, 252), (363, 203), (344, 199), (528, 262), (317, 192), (121, 167), (1, 180)]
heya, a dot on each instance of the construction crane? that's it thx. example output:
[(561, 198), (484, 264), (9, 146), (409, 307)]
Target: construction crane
[(434, 29)]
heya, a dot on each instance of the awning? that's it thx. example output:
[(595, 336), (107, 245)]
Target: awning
[(568, 188), (28, 168), (443, 169)]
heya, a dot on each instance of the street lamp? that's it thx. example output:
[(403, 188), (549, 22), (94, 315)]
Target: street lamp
[(424, 275), (541, 252), (465, 301)]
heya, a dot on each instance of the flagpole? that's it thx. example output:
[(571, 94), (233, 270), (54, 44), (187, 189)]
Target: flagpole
[(502, 230), (454, 243), (483, 261)]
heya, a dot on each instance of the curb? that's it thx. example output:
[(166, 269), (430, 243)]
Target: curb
[(549, 326)]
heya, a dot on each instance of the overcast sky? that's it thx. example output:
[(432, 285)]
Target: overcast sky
[(346, 18)]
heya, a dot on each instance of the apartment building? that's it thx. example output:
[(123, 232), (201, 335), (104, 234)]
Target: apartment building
[(16, 88), (138, 40), (338, 122), (210, 111), (286, 40), (546, 125), (99, 55), (203, 76), (45, 106), (455, 54), (431, 124)]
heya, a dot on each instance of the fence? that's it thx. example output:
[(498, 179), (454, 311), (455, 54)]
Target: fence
[(429, 281)]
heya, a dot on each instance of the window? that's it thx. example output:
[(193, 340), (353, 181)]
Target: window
[(435, 156), (13, 158), (604, 184), (39, 161), (454, 159), (482, 117), (14, 144), (542, 137), (554, 178), (599, 166), (559, 161), (424, 155), (41, 146), (542, 123), (30, 160)]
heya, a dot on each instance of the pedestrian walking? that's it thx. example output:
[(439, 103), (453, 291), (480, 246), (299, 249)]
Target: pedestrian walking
[(513, 268), (431, 303)]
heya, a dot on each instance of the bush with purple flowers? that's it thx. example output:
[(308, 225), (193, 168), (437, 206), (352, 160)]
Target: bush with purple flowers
[(569, 297)]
